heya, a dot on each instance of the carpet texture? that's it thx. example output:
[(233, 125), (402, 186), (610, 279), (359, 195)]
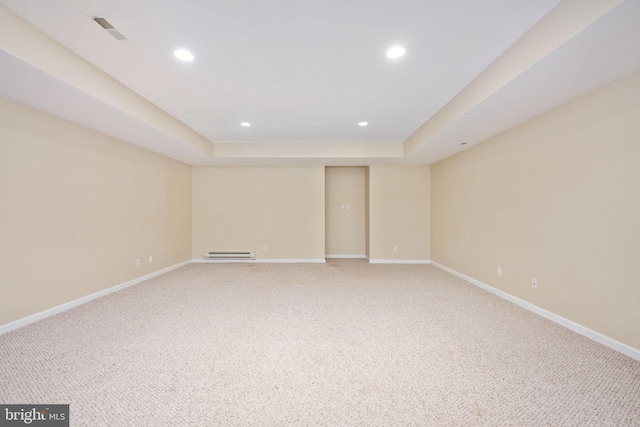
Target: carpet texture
[(342, 344)]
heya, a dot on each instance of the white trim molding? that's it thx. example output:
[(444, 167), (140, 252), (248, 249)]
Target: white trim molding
[(293, 260), (613, 344), (399, 261), (361, 256), (76, 302), (262, 260)]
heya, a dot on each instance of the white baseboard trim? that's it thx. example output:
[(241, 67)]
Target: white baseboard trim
[(399, 261), (293, 261), (625, 349), (262, 261), (361, 256), (76, 302)]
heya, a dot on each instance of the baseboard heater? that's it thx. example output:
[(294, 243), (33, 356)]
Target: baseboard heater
[(229, 255)]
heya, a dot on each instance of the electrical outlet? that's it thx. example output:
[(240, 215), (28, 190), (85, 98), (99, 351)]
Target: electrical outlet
[(138, 262), (534, 283), (264, 248), (499, 272), (342, 207), (150, 258), (348, 207), (395, 249)]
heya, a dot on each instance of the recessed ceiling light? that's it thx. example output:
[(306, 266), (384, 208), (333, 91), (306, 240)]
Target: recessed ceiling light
[(183, 54), (463, 143), (363, 124), (245, 124), (395, 52)]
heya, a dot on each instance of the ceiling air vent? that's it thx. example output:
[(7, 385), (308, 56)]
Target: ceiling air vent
[(107, 26)]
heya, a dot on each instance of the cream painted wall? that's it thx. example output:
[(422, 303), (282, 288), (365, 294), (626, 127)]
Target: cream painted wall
[(556, 199), (367, 225), (77, 208), (242, 208), (345, 228), (399, 212)]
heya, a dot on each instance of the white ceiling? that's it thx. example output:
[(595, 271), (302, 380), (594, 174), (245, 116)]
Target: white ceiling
[(31, 86), (607, 50), (308, 72)]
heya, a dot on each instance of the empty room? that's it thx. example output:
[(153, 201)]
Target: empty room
[(325, 213)]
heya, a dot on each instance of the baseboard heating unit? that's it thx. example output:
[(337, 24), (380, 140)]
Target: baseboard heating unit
[(230, 255)]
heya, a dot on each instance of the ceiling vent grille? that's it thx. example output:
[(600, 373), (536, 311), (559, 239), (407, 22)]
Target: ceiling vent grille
[(110, 28)]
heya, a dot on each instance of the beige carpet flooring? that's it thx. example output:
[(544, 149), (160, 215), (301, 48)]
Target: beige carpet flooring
[(341, 344)]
